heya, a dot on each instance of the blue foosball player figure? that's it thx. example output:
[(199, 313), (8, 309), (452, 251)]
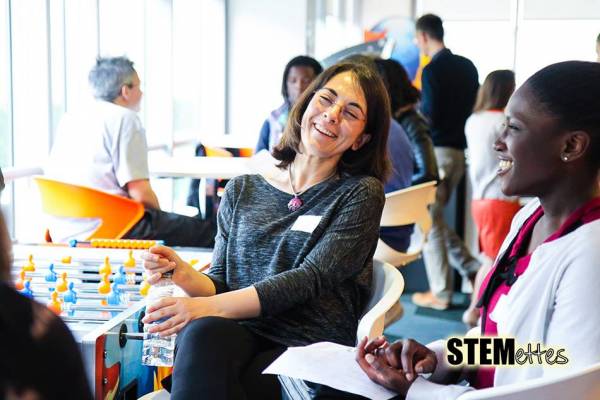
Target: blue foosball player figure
[(121, 277), (26, 291), (114, 297), (51, 276), (71, 295)]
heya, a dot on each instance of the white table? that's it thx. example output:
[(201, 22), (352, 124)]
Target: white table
[(199, 167)]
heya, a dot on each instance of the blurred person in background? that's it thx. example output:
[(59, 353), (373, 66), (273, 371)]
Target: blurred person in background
[(449, 88), (403, 99), (492, 210), (299, 72)]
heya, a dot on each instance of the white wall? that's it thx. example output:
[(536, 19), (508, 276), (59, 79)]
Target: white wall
[(263, 36), (373, 11)]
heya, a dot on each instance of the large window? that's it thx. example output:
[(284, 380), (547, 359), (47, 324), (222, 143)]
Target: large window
[(47, 49), (5, 108), (5, 87), (523, 35)]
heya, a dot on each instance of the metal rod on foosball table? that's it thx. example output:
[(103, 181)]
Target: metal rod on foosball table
[(86, 287), (92, 276), (88, 295), (92, 307), (93, 268), (133, 336), (97, 321)]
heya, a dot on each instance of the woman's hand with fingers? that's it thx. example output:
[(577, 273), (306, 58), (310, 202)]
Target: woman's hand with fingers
[(174, 313), (375, 364), (412, 357), (161, 259)]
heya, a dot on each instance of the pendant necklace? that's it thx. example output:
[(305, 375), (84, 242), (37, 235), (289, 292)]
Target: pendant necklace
[(296, 202)]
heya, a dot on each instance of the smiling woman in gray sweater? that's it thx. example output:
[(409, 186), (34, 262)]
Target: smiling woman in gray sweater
[(292, 262)]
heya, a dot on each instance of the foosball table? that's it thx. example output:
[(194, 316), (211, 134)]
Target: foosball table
[(99, 293)]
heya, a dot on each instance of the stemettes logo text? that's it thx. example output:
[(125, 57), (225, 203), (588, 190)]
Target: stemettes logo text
[(501, 351)]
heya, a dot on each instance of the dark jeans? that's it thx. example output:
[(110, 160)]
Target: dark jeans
[(218, 358), (174, 229)]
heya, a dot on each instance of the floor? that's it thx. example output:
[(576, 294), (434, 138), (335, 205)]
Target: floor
[(426, 325)]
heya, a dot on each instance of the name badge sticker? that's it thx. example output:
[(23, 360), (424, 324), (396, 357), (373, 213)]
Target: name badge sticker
[(306, 223)]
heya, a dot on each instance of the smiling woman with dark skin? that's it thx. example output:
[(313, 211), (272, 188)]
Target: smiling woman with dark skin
[(546, 274)]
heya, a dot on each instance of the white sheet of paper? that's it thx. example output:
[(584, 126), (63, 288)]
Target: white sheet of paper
[(328, 364), (306, 223)]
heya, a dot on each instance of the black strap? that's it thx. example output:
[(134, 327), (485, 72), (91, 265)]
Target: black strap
[(500, 275), (505, 269)]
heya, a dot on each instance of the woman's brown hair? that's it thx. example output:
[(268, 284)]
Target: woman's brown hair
[(371, 159), (496, 90)]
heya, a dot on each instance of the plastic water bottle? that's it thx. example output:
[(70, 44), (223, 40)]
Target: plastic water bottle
[(158, 351)]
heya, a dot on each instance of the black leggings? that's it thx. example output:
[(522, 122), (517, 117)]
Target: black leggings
[(218, 358), (174, 229)]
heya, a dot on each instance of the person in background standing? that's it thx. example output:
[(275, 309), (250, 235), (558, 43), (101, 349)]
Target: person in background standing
[(492, 210), (449, 85)]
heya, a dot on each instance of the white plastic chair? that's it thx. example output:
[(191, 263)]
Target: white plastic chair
[(388, 285), (404, 207), (581, 385)]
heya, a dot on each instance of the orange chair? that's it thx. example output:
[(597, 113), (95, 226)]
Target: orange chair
[(217, 152), (117, 214), (246, 151), (228, 152)]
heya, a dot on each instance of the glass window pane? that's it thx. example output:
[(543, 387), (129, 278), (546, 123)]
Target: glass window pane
[(5, 111), (30, 81), (57, 63), (158, 73), (5, 87), (30, 74), (81, 48)]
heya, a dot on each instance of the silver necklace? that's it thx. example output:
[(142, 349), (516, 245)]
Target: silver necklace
[(296, 202)]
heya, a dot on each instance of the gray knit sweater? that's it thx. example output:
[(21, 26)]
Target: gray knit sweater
[(312, 275)]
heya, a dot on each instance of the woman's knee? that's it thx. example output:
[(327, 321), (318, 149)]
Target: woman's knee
[(210, 330)]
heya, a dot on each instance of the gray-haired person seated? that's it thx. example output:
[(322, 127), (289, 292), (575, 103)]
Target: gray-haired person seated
[(103, 146)]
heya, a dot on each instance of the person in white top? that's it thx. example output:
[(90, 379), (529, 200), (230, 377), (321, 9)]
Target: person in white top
[(546, 275), (492, 210), (104, 147)]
